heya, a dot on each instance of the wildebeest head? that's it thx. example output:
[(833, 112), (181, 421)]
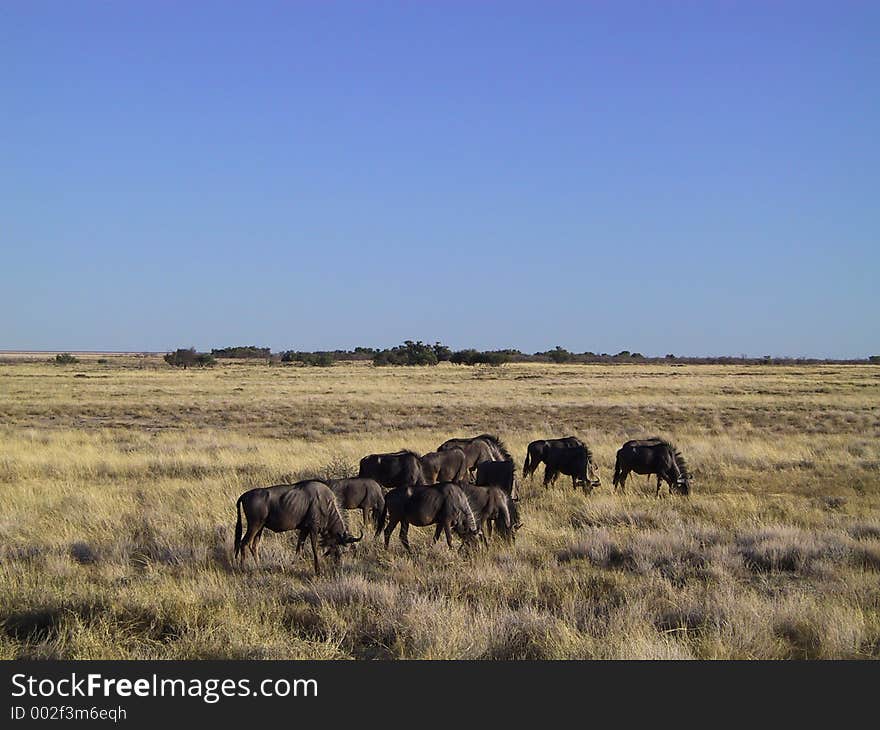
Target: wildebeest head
[(682, 486), (333, 544)]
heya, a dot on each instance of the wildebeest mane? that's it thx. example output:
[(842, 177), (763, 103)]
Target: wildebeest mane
[(499, 444), (335, 523), (680, 463), (676, 455)]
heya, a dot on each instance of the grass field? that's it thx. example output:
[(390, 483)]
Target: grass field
[(118, 481)]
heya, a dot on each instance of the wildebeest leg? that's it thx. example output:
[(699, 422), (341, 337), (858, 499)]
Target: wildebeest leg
[(255, 547), (448, 534), (389, 529), (314, 537), (404, 535), (622, 481), (366, 511), (438, 531), (482, 527), (301, 538), (247, 542), (252, 546), (659, 482)]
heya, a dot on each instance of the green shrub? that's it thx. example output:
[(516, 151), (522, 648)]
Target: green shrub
[(184, 357), (409, 353)]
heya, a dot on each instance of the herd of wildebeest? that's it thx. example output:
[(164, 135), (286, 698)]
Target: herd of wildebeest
[(468, 486)]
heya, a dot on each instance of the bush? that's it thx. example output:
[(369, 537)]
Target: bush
[(475, 357), (65, 358), (409, 353), (559, 355), (184, 357), (317, 359), (242, 352), (442, 352)]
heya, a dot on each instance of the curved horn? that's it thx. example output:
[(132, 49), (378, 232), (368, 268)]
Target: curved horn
[(352, 538)]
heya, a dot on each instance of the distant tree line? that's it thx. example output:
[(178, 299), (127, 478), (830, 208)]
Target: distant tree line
[(418, 353), (243, 352)]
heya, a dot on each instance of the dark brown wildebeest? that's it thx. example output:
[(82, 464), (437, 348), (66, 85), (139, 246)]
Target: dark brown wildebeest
[(500, 474), (398, 469), (652, 456), (444, 466), (574, 461), (536, 450), (491, 505), (366, 495), (308, 507), (444, 505)]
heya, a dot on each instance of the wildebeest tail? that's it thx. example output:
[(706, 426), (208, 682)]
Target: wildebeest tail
[(527, 463), (617, 469), (238, 526), (381, 519)]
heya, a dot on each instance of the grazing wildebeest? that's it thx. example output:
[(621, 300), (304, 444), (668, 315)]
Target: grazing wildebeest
[(399, 469), (444, 466), (366, 495), (484, 447), (652, 456), (574, 461), (537, 449), (500, 474), (444, 505), (491, 505), (308, 507)]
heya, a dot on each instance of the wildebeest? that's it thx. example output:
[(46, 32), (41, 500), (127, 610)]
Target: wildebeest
[(366, 495), (398, 469), (537, 449), (444, 466), (491, 505), (500, 474), (484, 447), (308, 507), (652, 456), (444, 505), (574, 461)]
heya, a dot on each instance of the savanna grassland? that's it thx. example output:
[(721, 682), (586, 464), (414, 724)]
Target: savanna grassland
[(118, 482)]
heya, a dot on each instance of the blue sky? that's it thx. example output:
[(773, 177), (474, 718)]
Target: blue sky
[(687, 177)]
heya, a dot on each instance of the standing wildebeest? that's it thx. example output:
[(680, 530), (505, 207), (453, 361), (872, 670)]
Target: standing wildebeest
[(366, 495), (652, 456), (444, 505), (537, 449), (574, 461), (444, 466), (484, 447), (400, 469), (500, 474), (492, 505), (308, 507)]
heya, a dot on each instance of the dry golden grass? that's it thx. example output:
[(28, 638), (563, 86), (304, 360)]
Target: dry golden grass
[(118, 493)]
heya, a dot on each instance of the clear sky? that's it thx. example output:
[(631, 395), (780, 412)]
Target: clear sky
[(685, 177)]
